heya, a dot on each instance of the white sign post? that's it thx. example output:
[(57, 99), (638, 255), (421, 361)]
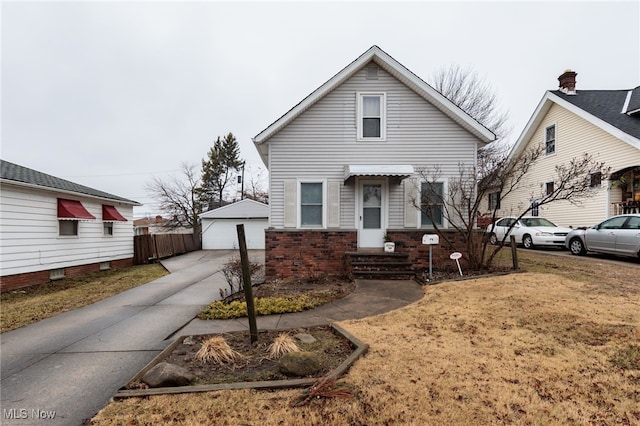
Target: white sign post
[(456, 256), (430, 240)]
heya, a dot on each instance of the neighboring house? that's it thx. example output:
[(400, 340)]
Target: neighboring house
[(157, 225), (52, 228), (569, 123), (219, 225), (345, 162)]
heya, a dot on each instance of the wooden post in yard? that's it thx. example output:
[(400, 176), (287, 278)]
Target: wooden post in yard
[(514, 252), (246, 280)]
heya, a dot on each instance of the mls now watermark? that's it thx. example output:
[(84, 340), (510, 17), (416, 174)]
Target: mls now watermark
[(24, 413)]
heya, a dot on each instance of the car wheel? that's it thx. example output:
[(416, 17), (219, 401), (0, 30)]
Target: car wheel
[(527, 242), (577, 247), (493, 239)]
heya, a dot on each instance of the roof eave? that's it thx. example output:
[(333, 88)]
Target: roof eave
[(543, 107), (5, 181)]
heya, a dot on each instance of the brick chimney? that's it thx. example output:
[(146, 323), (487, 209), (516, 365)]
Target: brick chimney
[(568, 82)]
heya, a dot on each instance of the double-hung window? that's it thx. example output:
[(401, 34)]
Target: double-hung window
[(550, 140), (432, 204), (311, 204), (494, 201), (372, 116)]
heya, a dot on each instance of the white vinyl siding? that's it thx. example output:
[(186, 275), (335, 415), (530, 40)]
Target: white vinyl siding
[(576, 137), (322, 140), (30, 240)]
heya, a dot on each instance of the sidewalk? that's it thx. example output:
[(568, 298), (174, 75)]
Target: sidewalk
[(72, 364)]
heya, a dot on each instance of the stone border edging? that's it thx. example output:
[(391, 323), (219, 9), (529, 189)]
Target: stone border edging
[(361, 348)]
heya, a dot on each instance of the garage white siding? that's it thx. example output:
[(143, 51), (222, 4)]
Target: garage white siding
[(219, 226), (222, 233)]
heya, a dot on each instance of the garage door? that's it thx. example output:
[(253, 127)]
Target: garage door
[(222, 233)]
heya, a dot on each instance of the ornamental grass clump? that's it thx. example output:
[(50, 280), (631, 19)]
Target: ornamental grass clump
[(217, 349), (281, 345)]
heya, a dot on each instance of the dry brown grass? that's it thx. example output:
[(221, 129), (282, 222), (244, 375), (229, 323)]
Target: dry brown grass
[(31, 304), (217, 350), (281, 345), (524, 349)]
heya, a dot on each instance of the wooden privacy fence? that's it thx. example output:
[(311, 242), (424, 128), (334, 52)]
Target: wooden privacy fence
[(148, 248)]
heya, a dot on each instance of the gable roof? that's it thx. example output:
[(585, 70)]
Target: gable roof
[(24, 176), (393, 67), (602, 108), (244, 209)]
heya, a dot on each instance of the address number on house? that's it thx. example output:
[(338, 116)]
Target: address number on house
[(430, 239)]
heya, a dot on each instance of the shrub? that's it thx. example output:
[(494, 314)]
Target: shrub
[(263, 306), (232, 271)]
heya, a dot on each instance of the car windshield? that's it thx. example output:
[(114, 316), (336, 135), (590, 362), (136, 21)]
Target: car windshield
[(536, 221)]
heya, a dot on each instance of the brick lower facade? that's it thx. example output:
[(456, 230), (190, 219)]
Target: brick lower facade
[(13, 282), (410, 242), (304, 253)]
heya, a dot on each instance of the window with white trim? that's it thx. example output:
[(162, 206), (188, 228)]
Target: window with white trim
[(108, 228), (311, 204), (549, 188), (595, 180), (494, 200), (534, 206), (68, 228), (550, 140), (432, 204), (372, 120)]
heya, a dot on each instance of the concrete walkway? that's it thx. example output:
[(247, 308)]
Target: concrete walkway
[(70, 366)]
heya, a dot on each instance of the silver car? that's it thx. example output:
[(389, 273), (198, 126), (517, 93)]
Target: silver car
[(618, 235)]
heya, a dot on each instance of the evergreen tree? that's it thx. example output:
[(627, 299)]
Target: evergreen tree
[(222, 162)]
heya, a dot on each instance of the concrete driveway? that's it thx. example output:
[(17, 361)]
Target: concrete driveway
[(70, 365)]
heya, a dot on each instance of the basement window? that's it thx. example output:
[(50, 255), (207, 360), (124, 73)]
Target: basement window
[(56, 274)]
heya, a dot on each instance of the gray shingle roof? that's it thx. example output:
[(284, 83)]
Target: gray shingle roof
[(634, 102), (14, 172), (606, 105)]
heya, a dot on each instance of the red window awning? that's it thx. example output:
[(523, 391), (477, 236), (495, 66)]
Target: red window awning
[(71, 209), (111, 214)]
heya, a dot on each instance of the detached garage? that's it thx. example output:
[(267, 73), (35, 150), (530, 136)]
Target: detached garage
[(219, 225)]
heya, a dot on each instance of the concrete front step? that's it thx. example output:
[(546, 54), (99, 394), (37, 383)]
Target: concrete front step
[(379, 265)]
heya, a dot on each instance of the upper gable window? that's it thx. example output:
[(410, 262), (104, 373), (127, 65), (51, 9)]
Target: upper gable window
[(372, 120), (550, 140)]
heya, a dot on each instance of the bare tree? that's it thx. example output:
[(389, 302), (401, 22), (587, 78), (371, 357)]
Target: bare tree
[(496, 172), (255, 186), (178, 198), (474, 95)]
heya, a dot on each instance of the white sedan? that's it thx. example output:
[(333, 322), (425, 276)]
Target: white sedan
[(530, 231)]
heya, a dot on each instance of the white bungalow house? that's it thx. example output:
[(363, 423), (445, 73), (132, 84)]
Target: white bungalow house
[(219, 226), (568, 123), (52, 228), (344, 164)]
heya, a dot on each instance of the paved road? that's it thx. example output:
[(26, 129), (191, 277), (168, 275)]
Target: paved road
[(593, 257), (73, 363)]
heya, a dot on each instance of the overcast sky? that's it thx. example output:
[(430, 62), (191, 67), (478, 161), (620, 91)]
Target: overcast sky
[(111, 94)]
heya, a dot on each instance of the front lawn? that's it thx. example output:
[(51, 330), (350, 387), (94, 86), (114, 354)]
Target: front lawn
[(32, 304), (557, 345)]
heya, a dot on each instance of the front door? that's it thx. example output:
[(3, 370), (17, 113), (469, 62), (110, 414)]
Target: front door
[(372, 203)]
